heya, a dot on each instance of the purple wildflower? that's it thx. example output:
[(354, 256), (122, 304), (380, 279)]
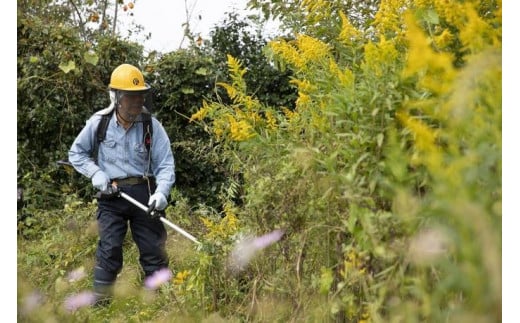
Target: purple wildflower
[(76, 301), (158, 278), (31, 302), (246, 249), (428, 245), (267, 239)]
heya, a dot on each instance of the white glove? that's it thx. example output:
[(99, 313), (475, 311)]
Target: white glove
[(100, 180), (160, 201)]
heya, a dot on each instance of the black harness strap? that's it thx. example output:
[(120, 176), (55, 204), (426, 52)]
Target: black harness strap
[(100, 134)]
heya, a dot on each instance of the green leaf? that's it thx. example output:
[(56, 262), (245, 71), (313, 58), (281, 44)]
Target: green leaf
[(69, 66), (380, 138), (351, 223), (91, 58), (201, 71), (33, 59), (186, 90), (326, 280), (430, 16)]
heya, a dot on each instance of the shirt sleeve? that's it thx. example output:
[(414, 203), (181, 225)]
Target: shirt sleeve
[(163, 164), (81, 150)]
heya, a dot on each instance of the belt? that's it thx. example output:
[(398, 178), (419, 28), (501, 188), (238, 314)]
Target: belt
[(129, 181)]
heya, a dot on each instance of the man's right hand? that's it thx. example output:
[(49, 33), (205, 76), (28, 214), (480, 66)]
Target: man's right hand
[(100, 180), (111, 192)]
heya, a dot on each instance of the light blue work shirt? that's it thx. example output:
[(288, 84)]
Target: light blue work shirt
[(123, 153)]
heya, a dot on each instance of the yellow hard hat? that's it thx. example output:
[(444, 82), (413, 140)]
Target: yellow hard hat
[(127, 77)]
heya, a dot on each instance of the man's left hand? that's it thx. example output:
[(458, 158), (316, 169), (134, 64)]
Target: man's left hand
[(160, 201)]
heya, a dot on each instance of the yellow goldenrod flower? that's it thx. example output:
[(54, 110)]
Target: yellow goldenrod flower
[(319, 122), (314, 5), (303, 100), (224, 228), (231, 91), (301, 52), (181, 277), (348, 31), (476, 34), (289, 114), (287, 52), (388, 17), (239, 130), (316, 10), (423, 3), (219, 128), (451, 11), (444, 39), (312, 49), (270, 120), (378, 55), (436, 69), (345, 77), (237, 73), (230, 223), (303, 85), (425, 139), (202, 113)]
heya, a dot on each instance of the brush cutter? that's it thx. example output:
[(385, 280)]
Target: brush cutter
[(113, 191)]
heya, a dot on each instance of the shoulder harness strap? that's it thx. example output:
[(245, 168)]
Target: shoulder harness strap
[(100, 134)]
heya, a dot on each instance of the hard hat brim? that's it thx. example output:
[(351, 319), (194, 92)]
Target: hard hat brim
[(135, 89)]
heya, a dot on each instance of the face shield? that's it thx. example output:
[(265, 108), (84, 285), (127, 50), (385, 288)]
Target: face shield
[(130, 104)]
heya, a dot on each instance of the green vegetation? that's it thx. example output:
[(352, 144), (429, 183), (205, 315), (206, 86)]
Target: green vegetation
[(379, 154)]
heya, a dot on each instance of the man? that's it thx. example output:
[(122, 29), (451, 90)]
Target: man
[(143, 170)]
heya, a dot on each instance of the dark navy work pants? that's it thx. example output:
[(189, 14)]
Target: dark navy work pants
[(113, 218)]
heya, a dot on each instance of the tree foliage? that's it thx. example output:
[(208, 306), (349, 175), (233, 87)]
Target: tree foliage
[(244, 39)]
